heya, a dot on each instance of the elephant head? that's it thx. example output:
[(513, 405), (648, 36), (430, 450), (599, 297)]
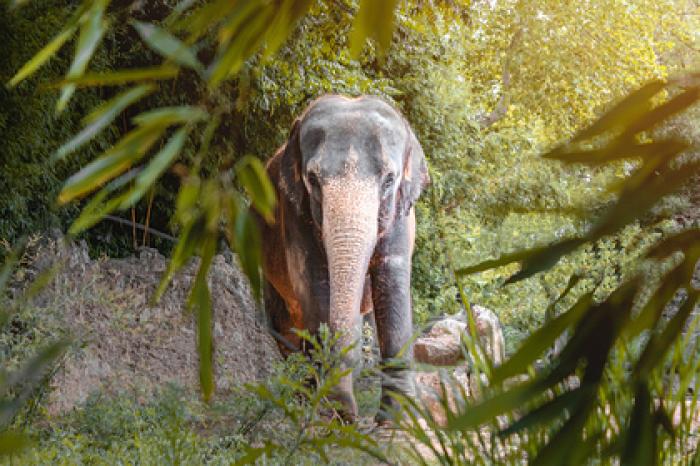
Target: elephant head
[(352, 167)]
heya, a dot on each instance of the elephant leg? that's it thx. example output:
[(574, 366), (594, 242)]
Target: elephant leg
[(281, 321), (367, 306), (391, 293)]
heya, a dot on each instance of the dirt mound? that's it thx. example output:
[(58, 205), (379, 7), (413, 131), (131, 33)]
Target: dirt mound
[(125, 344)]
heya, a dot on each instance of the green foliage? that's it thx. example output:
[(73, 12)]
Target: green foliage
[(20, 375), (218, 95), (246, 28), (28, 128), (288, 415), (491, 193), (476, 171), (32, 133), (306, 402), (627, 351), (160, 431)]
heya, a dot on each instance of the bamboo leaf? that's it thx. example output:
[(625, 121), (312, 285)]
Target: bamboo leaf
[(676, 242), (658, 344), (637, 201), (205, 17), (42, 56), (252, 175), (534, 260), (191, 235), (156, 73), (51, 48), (112, 163), (623, 150), (640, 438), (489, 409), (187, 199), (242, 13), (543, 338), (99, 206), (664, 111), (101, 117), (94, 212), (551, 410), (171, 115), (23, 381), (91, 33), (495, 263), (563, 442), (200, 299), (283, 23), (375, 19), (628, 109), (40, 281), (210, 205), (160, 162), (167, 45), (33, 369), (181, 7), (248, 247), (651, 312), (249, 26), (545, 258), (247, 41)]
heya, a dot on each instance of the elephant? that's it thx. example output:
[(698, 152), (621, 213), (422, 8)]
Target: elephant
[(343, 234)]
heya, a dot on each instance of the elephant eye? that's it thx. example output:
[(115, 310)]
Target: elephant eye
[(314, 185)]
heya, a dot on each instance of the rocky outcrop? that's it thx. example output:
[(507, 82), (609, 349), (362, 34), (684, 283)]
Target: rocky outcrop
[(442, 345), (124, 342)]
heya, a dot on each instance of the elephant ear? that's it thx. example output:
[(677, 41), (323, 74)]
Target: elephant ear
[(415, 174), (291, 184)]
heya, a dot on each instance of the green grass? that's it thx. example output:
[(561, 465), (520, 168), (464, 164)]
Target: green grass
[(175, 427)]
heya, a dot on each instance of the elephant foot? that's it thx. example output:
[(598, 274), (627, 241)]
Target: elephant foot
[(397, 382), (348, 415), (343, 395), (389, 409)]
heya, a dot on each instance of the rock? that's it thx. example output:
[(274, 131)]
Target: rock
[(442, 345), (124, 343), (429, 390), (437, 351)]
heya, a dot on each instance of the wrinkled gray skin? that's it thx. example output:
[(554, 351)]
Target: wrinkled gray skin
[(347, 180)]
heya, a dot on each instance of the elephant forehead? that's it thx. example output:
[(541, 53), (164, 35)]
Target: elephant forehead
[(336, 104), (370, 126)]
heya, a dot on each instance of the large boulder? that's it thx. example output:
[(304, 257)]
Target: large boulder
[(432, 387), (442, 345), (125, 343)]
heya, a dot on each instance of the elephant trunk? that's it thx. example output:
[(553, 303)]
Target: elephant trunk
[(350, 209)]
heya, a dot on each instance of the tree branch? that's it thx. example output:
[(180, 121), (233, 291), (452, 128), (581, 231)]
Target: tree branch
[(501, 108), (139, 226)]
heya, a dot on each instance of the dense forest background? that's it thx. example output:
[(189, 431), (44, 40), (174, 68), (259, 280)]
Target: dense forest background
[(488, 86)]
